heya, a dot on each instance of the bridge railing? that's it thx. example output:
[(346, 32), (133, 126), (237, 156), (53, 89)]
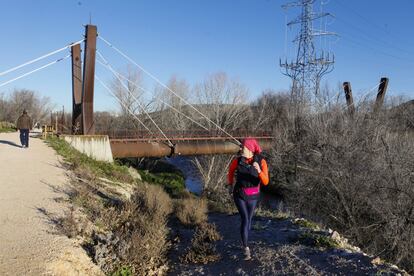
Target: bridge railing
[(183, 135)]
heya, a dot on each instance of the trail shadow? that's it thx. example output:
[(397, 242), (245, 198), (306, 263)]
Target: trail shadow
[(9, 143), (55, 222)]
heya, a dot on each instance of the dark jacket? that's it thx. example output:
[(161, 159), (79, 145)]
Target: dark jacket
[(24, 122), (247, 175)]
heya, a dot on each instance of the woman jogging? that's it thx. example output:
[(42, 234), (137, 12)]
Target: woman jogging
[(245, 175)]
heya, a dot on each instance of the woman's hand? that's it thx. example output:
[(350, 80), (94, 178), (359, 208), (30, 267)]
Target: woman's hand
[(257, 167)]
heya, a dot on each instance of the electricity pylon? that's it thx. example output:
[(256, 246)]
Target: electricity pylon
[(310, 65)]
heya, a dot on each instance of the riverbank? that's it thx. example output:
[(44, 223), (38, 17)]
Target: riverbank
[(131, 227)]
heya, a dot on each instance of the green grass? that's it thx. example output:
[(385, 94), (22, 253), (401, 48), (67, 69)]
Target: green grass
[(307, 224), (173, 183), (111, 171), (123, 271), (2, 130), (7, 127), (318, 240)]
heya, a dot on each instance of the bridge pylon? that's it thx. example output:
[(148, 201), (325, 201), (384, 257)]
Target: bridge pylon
[(83, 82)]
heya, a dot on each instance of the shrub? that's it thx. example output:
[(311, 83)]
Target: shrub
[(191, 211), (139, 233), (123, 271), (313, 239), (7, 127), (306, 224), (203, 249), (354, 174)]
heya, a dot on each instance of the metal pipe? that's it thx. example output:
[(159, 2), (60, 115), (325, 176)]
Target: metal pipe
[(128, 148)]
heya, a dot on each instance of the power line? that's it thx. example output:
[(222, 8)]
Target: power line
[(368, 36), (365, 18), (359, 43)]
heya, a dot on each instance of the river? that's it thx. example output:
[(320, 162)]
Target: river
[(193, 181)]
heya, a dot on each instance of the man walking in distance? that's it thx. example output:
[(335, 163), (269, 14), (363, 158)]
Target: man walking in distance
[(24, 124)]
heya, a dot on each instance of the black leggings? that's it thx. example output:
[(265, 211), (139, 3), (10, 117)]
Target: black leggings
[(246, 210)]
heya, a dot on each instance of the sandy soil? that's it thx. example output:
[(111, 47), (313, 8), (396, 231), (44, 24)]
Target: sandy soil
[(30, 180)]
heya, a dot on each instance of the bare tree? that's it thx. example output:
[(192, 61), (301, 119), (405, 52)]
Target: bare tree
[(270, 111), (37, 106), (3, 107), (224, 101), (128, 91), (171, 106)]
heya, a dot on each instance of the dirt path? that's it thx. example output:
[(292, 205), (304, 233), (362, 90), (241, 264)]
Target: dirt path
[(29, 186), (277, 249)]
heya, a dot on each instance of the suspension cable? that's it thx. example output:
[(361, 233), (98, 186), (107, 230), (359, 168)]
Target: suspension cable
[(108, 66), (40, 58), (35, 70), (146, 113), (363, 97), (124, 105), (166, 87)]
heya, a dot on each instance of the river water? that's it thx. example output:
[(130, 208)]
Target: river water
[(193, 180)]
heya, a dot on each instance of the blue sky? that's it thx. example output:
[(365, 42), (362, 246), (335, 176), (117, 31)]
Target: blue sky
[(194, 38)]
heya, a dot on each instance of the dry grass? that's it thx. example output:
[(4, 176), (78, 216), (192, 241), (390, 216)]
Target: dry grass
[(191, 211), (203, 249), (139, 233)]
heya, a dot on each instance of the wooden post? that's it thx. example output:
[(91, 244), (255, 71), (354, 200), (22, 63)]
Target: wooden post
[(382, 89), (349, 98), (88, 80), (76, 89), (56, 122), (62, 120)]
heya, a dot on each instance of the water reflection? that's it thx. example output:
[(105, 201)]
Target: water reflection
[(193, 180)]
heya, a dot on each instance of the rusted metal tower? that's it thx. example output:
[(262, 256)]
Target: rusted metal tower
[(88, 82), (83, 84), (76, 89)]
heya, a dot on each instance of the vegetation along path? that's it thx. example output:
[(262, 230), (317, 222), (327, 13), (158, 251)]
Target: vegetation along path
[(31, 184)]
